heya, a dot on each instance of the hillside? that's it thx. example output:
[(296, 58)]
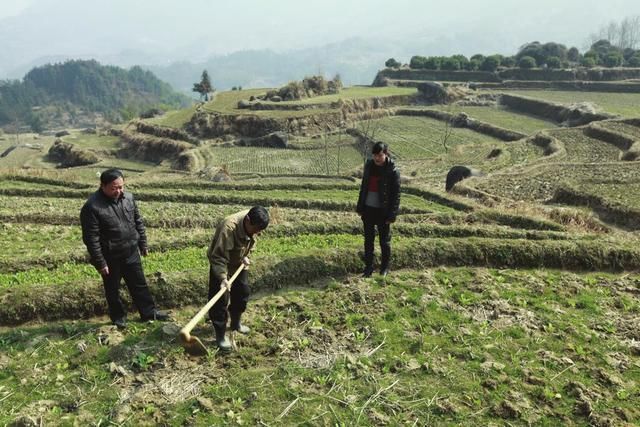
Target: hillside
[(56, 94), (512, 300)]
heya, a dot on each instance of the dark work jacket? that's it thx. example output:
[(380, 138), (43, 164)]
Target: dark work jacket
[(388, 188), (111, 229)]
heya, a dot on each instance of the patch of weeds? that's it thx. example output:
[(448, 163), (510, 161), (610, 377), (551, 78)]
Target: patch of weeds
[(442, 277), (627, 304), (516, 332), (464, 298), (390, 315), (498, 277), (143, 361), (589, 302), (552, 277), (356, 320), (623, 394)]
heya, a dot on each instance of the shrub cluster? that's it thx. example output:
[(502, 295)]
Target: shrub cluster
[(460, 62), (550, 55)]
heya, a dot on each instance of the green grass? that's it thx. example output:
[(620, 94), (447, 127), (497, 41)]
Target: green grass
[(443, 347), (419, 138), (417, 144), (621, 194), (23, 156), (227, 102), (540, 182), (581, 148), (355, 92), (37, 159), (180, 260), (175, 118), (239, 160), (629, 130), (331, 141), (503, 118), (624, 104), (340, 198), (29, 245), (92, 141)]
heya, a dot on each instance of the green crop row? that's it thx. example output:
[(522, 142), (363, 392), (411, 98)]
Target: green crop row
[(45, 180), (180, 276), (606, 206), (340, 200), (28, 246), (582, 148), (61, 211), (237, 160), (625, 104), (415, 138), (502, 117)]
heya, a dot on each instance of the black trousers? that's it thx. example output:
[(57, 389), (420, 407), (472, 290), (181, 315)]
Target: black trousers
[(372, 218), (239, 295), (129, 268)]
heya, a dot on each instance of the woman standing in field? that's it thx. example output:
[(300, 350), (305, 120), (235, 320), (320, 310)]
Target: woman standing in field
[(378, 205)]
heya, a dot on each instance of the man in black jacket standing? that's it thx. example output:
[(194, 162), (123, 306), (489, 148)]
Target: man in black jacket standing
[(114, 234), (378, 205)]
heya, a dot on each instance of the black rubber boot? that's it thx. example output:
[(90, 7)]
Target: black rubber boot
[(236, 325), (222, 342), (367, 272)]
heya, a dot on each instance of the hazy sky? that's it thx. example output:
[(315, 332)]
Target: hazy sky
[(169, 30)]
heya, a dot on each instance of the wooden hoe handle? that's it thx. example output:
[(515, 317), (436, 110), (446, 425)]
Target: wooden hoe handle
[(184, 332)]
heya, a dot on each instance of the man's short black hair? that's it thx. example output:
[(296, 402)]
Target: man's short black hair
[(380, 146), (259, 217), (110, 175)]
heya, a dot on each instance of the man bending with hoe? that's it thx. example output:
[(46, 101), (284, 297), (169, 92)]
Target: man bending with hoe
[(114, 234), (234, 238)]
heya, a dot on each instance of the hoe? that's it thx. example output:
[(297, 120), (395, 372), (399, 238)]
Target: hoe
[(191, 343)]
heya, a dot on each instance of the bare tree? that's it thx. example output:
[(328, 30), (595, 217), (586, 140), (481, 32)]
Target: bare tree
[(368, 130), (448, 128), (326, 149), (624, 34)]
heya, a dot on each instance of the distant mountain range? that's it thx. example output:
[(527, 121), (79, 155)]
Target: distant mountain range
[(357, 60)]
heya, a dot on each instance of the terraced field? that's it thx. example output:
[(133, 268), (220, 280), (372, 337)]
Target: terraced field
[(174, 119), (227, 102), (503, 117), (356, 93), (624, 128), (417, 143), (32, 153), (624, 104), (514, 313), (421, 138), (239, 160), (581, 148)]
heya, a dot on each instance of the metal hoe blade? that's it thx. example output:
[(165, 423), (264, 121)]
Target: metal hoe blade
[(192, 345)]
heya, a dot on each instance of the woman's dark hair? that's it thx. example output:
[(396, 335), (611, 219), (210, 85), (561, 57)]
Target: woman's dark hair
[(380, 146), (259, 217), (110, 175)]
